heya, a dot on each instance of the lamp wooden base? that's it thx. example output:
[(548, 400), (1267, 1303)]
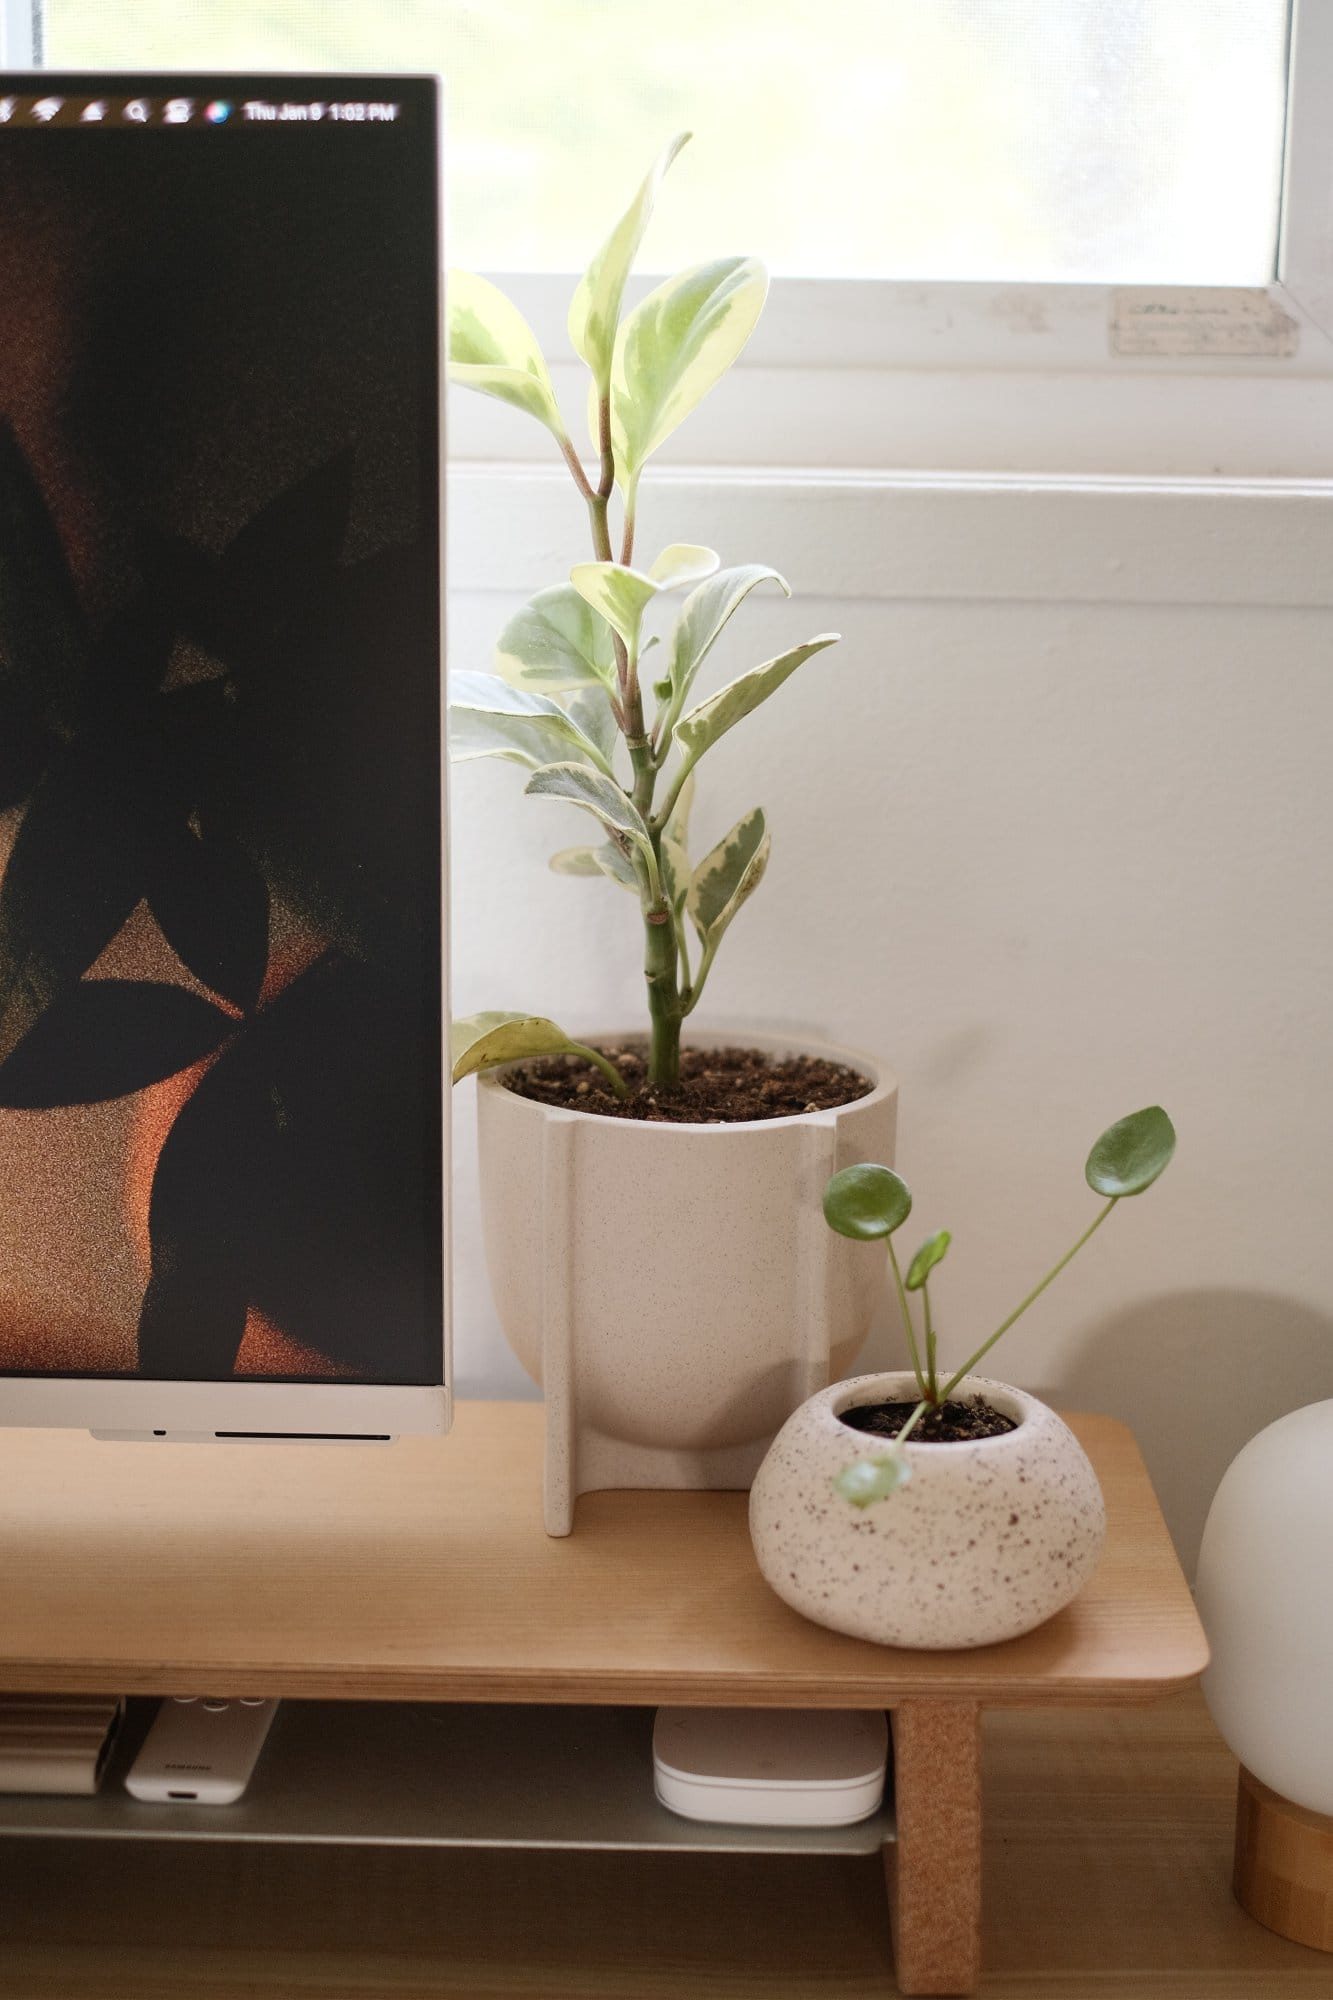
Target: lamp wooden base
[(1284, 1864)]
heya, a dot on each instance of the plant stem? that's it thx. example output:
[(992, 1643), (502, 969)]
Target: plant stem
[(660, 970), (572, 460), (677, 786), (663, 948), (1035, 1293), (608, 1069), (912, 1421), (700, 980), (932, 1381), (627, 535), (907, 1321)]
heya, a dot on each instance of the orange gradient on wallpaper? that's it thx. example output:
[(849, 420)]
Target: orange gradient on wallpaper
[(265, 1348)]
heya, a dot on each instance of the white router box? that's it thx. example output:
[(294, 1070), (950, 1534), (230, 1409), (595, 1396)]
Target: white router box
[(771, 1766)]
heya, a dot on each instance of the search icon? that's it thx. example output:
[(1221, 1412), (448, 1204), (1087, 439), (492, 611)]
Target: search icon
[(137, 111)]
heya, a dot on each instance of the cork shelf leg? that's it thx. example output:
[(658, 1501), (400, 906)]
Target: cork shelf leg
[(933, 1868), (1284, 1864)]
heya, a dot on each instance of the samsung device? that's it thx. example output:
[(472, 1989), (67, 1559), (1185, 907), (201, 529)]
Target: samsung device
[(222, 992), (200, 1750)]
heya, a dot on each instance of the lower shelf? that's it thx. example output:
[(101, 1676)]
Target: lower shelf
[(390, 1774)]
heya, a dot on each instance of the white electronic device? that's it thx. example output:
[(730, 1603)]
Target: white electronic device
[(771, 1766), (200, 1751)]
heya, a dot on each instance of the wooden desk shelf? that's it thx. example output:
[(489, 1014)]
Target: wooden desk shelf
[(420, 1573)]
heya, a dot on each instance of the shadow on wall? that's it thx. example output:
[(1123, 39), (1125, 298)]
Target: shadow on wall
[(1195, 1375)]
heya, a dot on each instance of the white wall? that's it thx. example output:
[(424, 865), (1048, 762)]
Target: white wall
[(1051, 831)]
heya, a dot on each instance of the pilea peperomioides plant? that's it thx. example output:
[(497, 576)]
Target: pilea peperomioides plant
[(869, 1203), (568, 699)]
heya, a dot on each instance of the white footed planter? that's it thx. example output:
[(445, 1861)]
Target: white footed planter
[(675, 1288), (986, 1540)]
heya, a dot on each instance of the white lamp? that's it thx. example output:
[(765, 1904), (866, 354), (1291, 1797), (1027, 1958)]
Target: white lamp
[(1265, 1595)]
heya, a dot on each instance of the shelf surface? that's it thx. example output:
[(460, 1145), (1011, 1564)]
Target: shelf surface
[(420, 1571), (414, 1774), (1107, 1865)]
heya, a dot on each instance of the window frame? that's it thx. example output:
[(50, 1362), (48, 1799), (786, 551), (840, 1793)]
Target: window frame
[(1003, 377)]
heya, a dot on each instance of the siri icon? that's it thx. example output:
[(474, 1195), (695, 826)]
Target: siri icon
[(218, 113)]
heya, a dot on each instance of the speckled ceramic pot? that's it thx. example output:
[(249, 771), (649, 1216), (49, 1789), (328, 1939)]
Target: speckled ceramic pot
[(985, 1541), (675, 1288)]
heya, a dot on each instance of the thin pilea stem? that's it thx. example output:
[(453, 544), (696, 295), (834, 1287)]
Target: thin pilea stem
[(1035, 1293), (907, 1322)]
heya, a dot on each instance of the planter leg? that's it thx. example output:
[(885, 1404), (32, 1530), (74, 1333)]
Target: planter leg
[(933, 1868), (560, 1476)]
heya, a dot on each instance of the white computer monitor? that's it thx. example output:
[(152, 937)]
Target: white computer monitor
[(223, 1119)]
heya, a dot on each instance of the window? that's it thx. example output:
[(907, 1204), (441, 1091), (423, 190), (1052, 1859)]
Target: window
[(954, 195), (1049, 141)]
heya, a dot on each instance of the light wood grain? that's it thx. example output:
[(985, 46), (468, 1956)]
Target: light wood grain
[(1107, 1860), (420, 1570), (1284, 1865)]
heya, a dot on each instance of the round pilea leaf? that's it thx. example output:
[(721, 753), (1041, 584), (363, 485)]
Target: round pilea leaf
[(927, 1257), (1131, 1154), (872, 1479), (866, 1201)]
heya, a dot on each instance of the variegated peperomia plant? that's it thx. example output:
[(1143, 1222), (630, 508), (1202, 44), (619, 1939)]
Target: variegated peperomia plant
[(567, 699)]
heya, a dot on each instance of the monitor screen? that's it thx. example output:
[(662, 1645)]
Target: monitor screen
[(221, 1114)]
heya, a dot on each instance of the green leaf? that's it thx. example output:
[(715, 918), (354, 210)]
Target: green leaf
[(604, 860), (698, 730), (556, 641), (620, 595), (683, 563), (594, 313), (729, 876), (490, 718), (1131, 1154), (866, 1202), (931, 1253), (673, 348), (705, 613), (872, 1479), (596, 794), (493, 349), (480, 1041)]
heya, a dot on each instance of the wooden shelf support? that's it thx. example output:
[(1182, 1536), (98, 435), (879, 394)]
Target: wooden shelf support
[(933, 1868)]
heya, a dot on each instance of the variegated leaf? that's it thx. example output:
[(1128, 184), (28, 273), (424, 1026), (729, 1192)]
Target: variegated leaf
[(729, 876), (481, 1041), (682, 564), (704, 615), (490, 718), (675, 848), (596, 794), (595, 311), (672, 349), (605, 860), (702, 726), (556, 641), (493, 349), (619, 594), (589, 709)]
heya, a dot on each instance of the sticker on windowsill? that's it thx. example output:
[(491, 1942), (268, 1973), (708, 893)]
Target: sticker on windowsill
[(1200, 319)]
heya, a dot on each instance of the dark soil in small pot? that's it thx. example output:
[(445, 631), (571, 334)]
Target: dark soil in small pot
[(731, 1086), (951, 1423)]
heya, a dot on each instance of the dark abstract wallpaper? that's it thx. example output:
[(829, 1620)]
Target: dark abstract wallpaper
[(220, 1146)]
